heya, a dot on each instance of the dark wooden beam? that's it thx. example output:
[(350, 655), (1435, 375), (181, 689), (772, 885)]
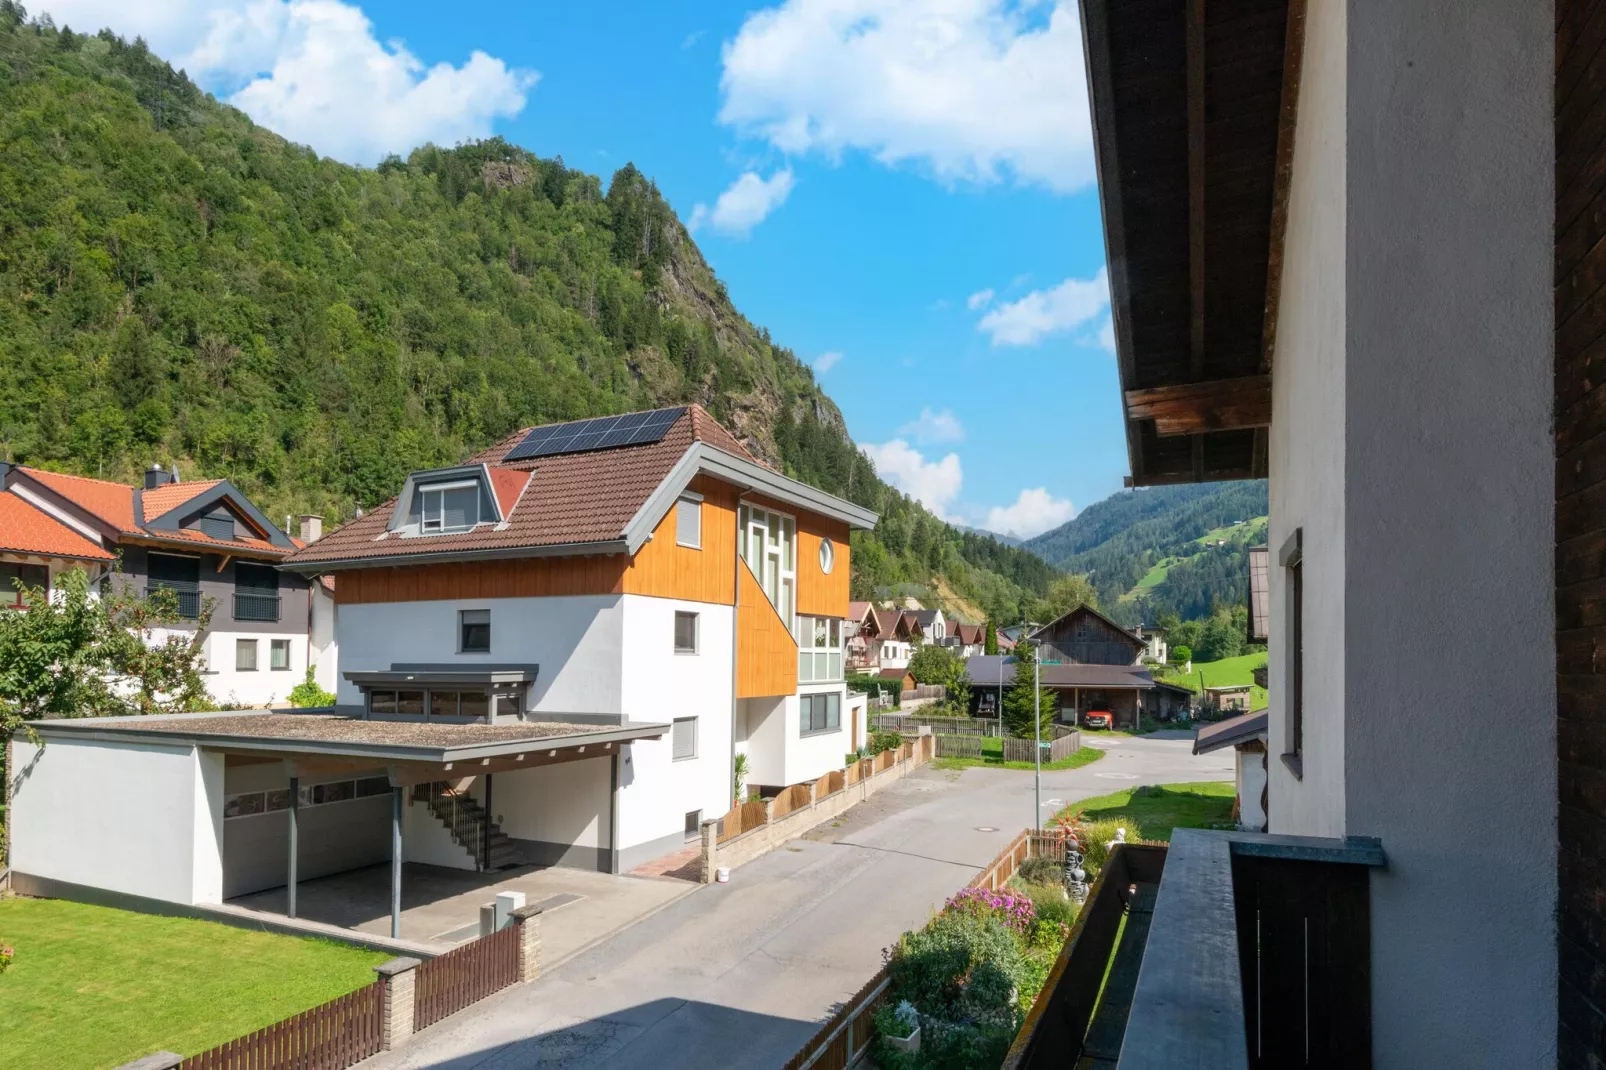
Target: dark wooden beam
[(1195, 49), (1288, 117), (1194, 408), (1106, 160)]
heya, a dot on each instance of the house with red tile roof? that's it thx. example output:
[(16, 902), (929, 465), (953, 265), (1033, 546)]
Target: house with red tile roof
[(203, 540)]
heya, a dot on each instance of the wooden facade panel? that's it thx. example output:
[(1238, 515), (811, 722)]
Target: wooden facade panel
[(665, 569), (818, 594), (527, 577), (1087, 638), (766, 654)]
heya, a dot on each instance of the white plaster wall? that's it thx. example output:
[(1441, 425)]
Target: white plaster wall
[(265, 686), (323, 649), (127, 817), (564, 803), (1450, 754), (809, 757), (1251, 782), (576, 641), (659, 685), (763, 739), (1308, 438)]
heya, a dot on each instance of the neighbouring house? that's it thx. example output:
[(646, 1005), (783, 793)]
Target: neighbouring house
[(1246, 735), (966, 640), (1154, 643), (1357, 249), (863, 647), (1005, 643), (1127, 692), (551, 655), (896, 632), (929, 624), (1233, 697), (203, 540), (902, 677)]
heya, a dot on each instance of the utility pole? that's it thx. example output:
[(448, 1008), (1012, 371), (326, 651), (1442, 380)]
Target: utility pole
[(1037, 731)]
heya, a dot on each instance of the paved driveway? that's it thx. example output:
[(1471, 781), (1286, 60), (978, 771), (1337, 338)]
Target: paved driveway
[(739, 975)]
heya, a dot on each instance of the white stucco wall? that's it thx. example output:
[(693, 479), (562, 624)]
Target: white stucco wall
[(1251, 777), (1308, 436), (761, 735), (263, 687), (809, 757), (566, 803), (1449, 643), (576, 641), (323, 648), (655, 792), (137, 818)]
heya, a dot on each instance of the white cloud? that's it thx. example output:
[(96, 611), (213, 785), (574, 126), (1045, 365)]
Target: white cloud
[(978, 300), (1106, 335), (1065, 307), (691, 39), (825, 362), (932, 427), (313, 71), (934, 484), (974, 90), (1034, 512), (748, 201)]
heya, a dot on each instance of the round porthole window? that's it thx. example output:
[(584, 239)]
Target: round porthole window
[(827, 556)]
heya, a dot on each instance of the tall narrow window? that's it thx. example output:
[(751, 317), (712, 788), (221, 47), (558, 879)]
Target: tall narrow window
[(685, 633), (768, 544), (1292, 560), (474, 631), (279, 655), (245, 655), (689, 522)]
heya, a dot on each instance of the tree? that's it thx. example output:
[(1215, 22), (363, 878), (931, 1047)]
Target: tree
[(990, 639), (939, 665), (1019, 707), (1181, 654), (75, 655), (1065, 594)]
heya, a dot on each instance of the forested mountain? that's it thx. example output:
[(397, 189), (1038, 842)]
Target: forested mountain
[(1146, 554), (180, 285)]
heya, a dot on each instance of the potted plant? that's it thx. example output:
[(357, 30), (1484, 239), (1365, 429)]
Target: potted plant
[(901, 1029)]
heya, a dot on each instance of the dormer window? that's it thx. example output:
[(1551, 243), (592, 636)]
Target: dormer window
[(448, 507)]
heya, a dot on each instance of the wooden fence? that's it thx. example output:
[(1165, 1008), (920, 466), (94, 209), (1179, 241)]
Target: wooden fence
[(743, 817), (923, 691), (1060, 743), (465, 975), (832, 783), (332, 1036), (949, 726), (796, 797), (959, 746)]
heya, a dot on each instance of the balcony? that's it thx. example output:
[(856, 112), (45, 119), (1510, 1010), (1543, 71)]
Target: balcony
[(188, 599), (251, 606), (1225, 951)]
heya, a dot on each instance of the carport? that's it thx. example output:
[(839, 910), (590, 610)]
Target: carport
[(371, 767)]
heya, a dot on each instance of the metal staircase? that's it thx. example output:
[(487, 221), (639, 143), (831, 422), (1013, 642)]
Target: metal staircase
[(470, 826)]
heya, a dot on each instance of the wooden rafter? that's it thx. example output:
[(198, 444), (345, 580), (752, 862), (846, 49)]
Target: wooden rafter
[(1195, 44), (1282, 180), (1195, 408)]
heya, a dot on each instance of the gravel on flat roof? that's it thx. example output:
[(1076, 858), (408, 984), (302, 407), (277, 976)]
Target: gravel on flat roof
[(327, 728)]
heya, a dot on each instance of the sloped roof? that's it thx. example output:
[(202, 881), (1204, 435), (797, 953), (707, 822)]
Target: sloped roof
[(1226, 733), (27, 529), (1125, 633), (858, 610), (565, 500), (988, 670), (110, 502), (159, 501)]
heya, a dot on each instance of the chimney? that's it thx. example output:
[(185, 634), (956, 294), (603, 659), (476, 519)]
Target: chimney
[(175, 472), (156, 477), (311, 527)]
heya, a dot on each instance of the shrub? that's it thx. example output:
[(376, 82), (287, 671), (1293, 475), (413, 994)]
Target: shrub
[(1095, 834), (880, 741), (308, 693), (1015, 911), (1052, 904), (962, 966), (1147, 724), (1041, 871), (6, 955)]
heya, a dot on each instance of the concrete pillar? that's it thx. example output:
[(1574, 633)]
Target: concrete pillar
[(294, 811), (397, 802), (710, 850), (528, 919), (396, 1021)]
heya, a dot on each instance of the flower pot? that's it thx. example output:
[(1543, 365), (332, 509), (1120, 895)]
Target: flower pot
[(910, 1043)]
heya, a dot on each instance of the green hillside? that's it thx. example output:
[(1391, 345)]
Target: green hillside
[(1154, 552), (180, 285), (1228, 672)]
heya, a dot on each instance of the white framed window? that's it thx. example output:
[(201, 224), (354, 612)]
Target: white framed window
[(768, 543), (473, 631), (684, 737), (689, 521), (827, 556), (820, 713), (685, 632), (245, 655), (819, 649), (449, 507), (279, 655)]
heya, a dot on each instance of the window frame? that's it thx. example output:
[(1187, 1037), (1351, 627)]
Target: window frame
[(462, 634), (438, 490), (694, 824), (782, 549), (274, 646), (696, 633), (806, 703), (1292, 560), (240, 647), (694, 501), (827, 555), (674, 724)]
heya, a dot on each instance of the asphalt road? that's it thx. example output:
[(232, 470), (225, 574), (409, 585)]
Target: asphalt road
[(739, 975)]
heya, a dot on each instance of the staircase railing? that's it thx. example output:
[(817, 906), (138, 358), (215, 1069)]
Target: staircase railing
[(462, 815)]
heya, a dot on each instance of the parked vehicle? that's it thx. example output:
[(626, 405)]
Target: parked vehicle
[(1097, 719)]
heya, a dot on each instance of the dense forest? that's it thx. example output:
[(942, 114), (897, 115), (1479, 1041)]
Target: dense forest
[(179, 285), (1117, 541)]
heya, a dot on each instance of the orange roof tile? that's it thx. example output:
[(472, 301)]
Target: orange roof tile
[(164, 499), (27, 529), (509, 483), (111, 502)]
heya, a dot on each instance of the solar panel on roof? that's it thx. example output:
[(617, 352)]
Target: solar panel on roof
[(602, 432)]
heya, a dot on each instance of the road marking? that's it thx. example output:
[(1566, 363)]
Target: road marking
[(1117, 776), (985, 828)]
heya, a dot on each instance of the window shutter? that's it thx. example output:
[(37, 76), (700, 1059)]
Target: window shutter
[(689, 522), (460, 507), (685, 738)]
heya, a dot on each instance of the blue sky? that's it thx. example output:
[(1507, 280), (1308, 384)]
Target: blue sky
[(900, 190)]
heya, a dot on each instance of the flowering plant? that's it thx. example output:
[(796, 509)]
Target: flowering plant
[(1016, 911), (6, 955)]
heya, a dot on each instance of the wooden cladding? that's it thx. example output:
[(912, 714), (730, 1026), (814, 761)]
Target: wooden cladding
[(766, 654), (1580, 420), (1194, 408), (819, 594), (661, 568)]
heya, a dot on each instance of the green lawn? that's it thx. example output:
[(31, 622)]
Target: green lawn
[(992, 749), (1224, 673), (96, 987), (1155, 811)]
